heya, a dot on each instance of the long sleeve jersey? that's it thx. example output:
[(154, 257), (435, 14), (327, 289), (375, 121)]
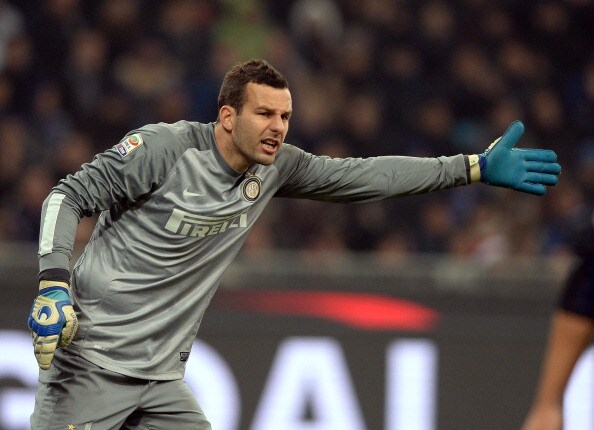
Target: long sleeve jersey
[(173, 215)]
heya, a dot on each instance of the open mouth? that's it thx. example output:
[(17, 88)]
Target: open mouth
[(270, 145)]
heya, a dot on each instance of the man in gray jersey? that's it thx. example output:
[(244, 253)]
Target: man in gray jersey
[(176, 202)]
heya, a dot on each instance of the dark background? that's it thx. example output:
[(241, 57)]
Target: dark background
[(489, 335)]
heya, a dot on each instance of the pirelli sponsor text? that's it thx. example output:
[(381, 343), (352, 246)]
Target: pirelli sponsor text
[(188, 224)]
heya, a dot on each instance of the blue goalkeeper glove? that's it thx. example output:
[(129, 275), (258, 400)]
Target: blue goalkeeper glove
[(53, 322), (503, 165)]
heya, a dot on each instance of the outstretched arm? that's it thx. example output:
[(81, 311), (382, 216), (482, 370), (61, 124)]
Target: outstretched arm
[(304, 175)]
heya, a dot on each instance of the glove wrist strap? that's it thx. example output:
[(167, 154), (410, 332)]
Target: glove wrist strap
[(46, 284), (473, 168)]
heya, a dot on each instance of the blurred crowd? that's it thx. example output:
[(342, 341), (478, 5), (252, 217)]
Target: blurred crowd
[(373, 77)]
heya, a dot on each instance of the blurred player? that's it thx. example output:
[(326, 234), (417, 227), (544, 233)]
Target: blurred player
[(571, 332), (176, 202)]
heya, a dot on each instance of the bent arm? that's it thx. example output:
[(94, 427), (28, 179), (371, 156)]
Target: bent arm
[(112, 181)]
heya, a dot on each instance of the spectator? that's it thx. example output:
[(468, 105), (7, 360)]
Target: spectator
[(429, 76), (11, 26), (87, 74)]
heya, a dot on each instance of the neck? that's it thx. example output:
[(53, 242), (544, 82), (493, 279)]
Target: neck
[(225, 145)]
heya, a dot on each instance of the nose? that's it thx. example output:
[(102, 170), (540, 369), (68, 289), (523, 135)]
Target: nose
[(277, 124)]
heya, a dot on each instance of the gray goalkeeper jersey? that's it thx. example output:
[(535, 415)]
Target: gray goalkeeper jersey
[(173, 215)]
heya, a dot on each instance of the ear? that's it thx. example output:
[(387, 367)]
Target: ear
[(227, 117)]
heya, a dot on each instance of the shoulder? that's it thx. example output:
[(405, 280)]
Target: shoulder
[(181, 132), (289, 153), (167, 138)]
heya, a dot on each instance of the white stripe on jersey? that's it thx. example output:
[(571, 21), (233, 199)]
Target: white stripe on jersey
[(49, 224)]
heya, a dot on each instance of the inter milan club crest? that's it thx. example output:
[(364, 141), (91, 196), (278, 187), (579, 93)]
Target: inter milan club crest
[(251, 188)]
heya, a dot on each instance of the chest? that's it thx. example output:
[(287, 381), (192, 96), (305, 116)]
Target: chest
[(200, 200)]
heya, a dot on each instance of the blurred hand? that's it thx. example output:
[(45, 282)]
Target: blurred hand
[(544, 418)]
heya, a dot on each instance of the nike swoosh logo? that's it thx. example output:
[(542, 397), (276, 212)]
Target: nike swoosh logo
[(189, 193)]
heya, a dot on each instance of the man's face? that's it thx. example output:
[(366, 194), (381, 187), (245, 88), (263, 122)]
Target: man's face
[(260, 129)]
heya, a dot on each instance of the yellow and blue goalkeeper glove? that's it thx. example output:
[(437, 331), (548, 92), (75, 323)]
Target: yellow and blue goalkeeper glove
[(53, 322), (503, 165)]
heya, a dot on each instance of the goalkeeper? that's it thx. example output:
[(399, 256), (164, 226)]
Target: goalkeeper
[(176, 202)]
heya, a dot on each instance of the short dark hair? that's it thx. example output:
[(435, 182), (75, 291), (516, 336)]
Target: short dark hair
[(256, 71)]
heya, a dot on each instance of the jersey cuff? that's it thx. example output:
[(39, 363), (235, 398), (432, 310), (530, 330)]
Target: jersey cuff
[(473, 169), (54, 260)]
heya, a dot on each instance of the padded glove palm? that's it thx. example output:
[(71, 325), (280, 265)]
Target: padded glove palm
[(53, 322), (526, 170)]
